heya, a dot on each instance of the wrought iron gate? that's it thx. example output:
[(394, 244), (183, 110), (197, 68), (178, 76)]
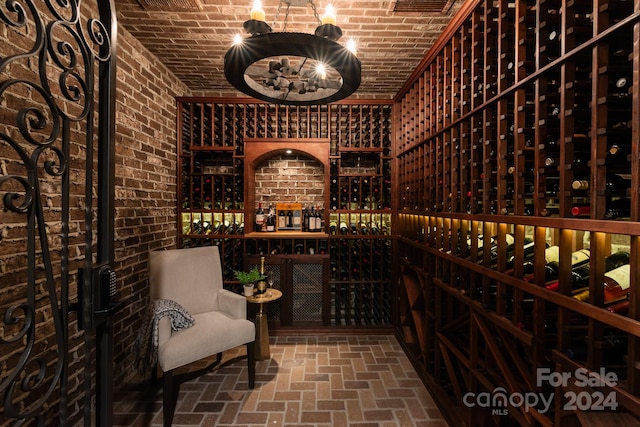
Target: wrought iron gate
[(57, 101)]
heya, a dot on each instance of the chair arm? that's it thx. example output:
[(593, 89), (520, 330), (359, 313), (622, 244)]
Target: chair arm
[(233, 304), (164, 330)]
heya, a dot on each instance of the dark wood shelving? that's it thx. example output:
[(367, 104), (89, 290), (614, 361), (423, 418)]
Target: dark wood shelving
[(515, 102), (222, 141)]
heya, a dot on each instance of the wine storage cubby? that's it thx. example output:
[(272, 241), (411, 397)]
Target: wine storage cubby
[(518, 168), (222, 142)]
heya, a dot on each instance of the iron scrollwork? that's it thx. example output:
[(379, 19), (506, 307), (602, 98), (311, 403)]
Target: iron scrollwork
[(49, 72)]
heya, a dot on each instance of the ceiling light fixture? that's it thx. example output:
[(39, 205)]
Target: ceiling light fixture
[(293, 68)]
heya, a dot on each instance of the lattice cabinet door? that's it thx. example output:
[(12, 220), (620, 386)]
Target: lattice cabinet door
[(303, 280)]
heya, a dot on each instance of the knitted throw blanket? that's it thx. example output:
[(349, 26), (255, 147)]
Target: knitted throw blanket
[(146, 345)]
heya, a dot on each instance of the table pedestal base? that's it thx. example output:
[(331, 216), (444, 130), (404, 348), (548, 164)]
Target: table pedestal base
[(262, 337)]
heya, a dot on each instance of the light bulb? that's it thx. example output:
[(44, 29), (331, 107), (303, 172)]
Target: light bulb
[(257, 13), (237, 39), (351, 46), (329, 16), (321, 71)]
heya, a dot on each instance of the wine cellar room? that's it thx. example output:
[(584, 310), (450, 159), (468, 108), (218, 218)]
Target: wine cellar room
[(479, 209)]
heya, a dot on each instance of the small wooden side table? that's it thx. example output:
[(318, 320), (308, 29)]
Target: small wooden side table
[(262, 327)]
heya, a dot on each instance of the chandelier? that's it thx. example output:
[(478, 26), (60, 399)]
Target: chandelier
[(292, 68)]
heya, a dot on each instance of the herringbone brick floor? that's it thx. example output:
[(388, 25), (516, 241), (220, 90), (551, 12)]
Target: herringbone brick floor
[(318, 380)]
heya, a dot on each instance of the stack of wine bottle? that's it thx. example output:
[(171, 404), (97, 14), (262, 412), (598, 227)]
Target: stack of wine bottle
[(360, 260), (310, 219), (616, 281), (286, 247), (210, 226), (358, 305)]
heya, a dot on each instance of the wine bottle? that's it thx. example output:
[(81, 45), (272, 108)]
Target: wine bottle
[(343, 228), (616, 285), (261, 285), (271, 220), (580, 273), (620, 307), (620, 208), (297, 219), (578, 258), (311, 220), (305, 220), (580, 184), (551, 256), (282, 219), (259, 218), (581, 210), (289, 219), (333, 226)]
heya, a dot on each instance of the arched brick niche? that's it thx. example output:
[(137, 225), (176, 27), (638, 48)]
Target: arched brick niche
[(259, 152)]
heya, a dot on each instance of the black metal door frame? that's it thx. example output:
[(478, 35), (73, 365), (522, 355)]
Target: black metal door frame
[(81, 52)]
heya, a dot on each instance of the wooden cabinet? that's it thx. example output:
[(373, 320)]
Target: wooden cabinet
[(303, 280), (507, 142)]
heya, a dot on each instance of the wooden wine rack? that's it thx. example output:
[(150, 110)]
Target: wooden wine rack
[(220, 140), (516, 101)]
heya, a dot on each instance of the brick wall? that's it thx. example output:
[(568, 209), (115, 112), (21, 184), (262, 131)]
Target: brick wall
[(145, 204), (290, 178), (145, 181)]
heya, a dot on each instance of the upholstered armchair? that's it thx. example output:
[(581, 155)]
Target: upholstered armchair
[(193, 278)]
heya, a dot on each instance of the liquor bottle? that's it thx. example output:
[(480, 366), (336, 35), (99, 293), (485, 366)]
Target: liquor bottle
[(578, 258), (259, 218), (261, 285)]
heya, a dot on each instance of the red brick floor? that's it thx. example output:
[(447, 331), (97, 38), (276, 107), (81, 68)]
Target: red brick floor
[(318, 380)]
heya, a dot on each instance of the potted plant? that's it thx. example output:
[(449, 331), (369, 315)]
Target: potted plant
[(248, 279)]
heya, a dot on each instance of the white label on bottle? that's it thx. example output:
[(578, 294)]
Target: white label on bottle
[(282, 221), (509, 239), (622, 275), (580, 256), (552, 254), (296, 218), (260, 218)]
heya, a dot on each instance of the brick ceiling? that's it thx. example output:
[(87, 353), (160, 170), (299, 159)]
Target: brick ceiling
[(192, 42)]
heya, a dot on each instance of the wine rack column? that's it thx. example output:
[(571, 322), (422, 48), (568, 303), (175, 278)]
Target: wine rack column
[(210, 179), (360, 216)]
